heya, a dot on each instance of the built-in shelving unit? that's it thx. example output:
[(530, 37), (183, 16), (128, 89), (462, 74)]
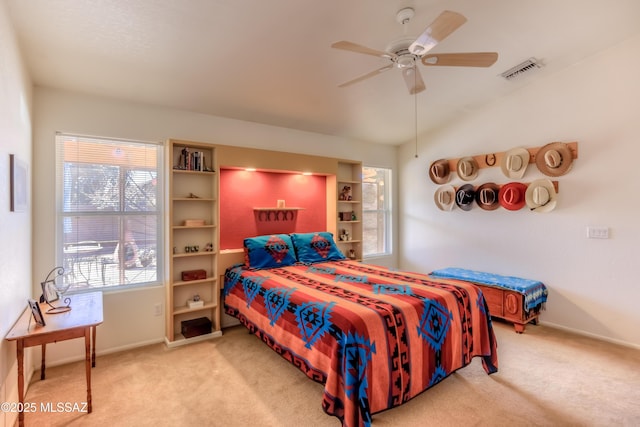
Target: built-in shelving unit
[(349, 208), (193, 239)]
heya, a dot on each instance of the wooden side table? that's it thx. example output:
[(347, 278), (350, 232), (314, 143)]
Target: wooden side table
[(86, 313)]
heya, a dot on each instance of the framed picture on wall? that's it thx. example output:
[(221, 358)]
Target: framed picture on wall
[(18, 184)]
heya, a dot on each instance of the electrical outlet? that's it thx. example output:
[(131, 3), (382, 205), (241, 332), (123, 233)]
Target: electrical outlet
[(158, 309), (597, 232)]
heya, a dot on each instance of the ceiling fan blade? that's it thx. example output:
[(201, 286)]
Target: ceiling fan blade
[(366, 76), (344, 45), (439, 29), (413, 79), (475, 59)]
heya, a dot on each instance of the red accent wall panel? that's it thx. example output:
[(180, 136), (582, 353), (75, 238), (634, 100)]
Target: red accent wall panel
[(242, 191)]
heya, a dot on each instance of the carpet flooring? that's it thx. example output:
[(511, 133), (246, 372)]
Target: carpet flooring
[(547, 377)]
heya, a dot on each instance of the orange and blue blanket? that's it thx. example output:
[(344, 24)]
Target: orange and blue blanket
[(374, 337), (535, 292)]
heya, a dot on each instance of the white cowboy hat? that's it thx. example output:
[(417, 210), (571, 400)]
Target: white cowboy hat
[(541, 196), (467, 168), (514, 162), (444, 197)]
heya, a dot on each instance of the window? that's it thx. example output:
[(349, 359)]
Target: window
[(376, 211), (109, 212)]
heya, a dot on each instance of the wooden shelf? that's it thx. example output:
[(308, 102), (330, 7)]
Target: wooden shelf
[(276, 214), (178, 339), (185, 309), (194, 195), (193, 282), (183, 227)]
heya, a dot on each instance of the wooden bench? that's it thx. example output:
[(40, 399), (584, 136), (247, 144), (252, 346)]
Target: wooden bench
[(508, 305), (504, 302)]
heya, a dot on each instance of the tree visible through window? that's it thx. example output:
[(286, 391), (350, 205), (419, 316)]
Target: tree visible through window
[(109, 214), (376, 198)]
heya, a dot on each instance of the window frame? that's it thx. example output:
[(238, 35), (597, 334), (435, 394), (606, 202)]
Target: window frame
[(386, 211), (121, 215)]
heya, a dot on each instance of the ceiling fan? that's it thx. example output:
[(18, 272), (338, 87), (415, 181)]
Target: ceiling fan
[(404, 52)]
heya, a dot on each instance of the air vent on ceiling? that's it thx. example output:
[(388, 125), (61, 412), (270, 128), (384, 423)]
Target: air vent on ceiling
[(526, 67)]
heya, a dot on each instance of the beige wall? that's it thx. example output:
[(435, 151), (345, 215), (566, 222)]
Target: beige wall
[(593, 283), (15, 227)]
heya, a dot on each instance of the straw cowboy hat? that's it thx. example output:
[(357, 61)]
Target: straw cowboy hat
[(515, 162), (554, 159), (465, 197), (512, 196), (541, 196), (439, 171), (487, 196), (445, 196), (467, 168)]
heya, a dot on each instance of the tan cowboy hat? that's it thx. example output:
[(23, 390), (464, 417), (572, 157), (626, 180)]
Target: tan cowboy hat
[(465, 197), (439, 171), (512, 196), (541, 196), (487, 196), (515, 162), (554, 159), (467, 168), (445, 196)]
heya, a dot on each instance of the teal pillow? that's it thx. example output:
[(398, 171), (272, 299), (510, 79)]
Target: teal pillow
[(275, 250), (316, 247)]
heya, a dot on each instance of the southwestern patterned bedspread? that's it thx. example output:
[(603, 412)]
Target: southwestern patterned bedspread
[(374, 337)]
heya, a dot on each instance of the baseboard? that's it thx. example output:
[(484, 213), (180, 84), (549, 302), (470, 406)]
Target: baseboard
[(104, 352), (590, 335)]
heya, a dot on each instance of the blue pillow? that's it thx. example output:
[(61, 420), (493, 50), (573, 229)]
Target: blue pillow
[(316, 247), (270, 251)]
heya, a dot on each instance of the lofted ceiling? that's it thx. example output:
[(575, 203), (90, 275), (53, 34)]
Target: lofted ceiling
[(271, 61)]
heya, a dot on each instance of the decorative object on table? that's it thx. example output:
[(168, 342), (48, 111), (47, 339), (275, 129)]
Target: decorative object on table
[(487, 196), (467, 168), (18, 188), (444, 197), (439, 171), (465, 197), (512, 196), (345, 194), (541, 196), (36, 312), (280, 204), (554, 159), (53, 291), (514, 162)]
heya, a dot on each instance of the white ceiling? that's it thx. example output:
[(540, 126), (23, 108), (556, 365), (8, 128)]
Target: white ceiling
[(270, 61)]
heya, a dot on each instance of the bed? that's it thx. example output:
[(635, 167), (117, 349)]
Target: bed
[(374, 337)]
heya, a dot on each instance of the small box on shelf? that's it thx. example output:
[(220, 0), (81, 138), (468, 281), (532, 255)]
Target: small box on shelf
[(193, 275), (194, 327), (192, 304)]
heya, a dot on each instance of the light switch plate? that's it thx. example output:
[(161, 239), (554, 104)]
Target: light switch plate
[(597, 232)]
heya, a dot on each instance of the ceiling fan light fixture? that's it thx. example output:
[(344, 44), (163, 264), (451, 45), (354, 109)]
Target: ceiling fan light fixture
[(423, 44)]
